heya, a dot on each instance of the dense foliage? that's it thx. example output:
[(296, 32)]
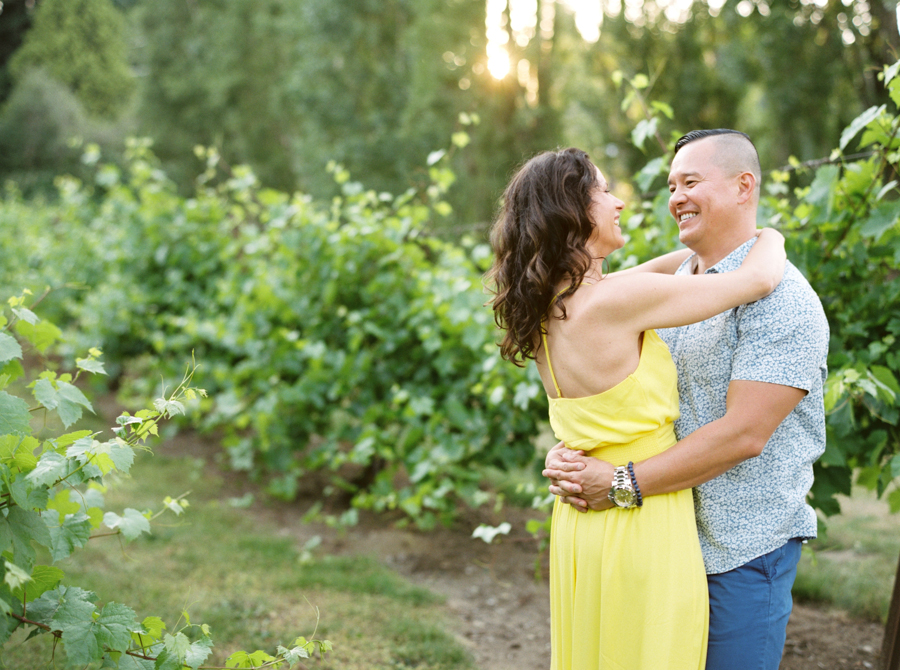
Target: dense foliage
[(339, 337), (336, 337), (52, 482)]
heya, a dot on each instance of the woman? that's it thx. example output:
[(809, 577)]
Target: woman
[(628, 587)]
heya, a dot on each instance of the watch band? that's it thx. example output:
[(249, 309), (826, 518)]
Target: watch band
[(637, 489), (621, 491)]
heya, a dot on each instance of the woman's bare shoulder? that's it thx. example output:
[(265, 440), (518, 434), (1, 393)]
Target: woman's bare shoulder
[(603, 309)]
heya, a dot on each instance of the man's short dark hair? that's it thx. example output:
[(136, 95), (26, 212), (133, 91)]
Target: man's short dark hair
[(700, 134)]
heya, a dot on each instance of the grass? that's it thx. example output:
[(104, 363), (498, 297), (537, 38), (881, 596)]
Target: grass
[(854, 564), (245, 579)]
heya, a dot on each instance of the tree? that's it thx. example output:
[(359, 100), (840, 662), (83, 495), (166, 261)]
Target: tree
[(36, 125), (15, 21), (374, 86), (80, 43), (217, 75)]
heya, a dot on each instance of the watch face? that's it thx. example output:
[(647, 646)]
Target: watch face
[(624, 497)]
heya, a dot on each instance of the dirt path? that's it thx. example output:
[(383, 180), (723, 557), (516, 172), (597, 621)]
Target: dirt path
[(500, 610)]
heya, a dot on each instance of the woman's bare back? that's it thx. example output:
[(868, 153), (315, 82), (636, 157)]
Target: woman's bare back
[(591, 351)]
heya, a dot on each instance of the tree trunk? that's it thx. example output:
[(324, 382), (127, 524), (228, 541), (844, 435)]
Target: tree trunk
[(890, 650)]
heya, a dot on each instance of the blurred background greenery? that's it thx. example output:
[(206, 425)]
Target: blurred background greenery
[(286, 86), (334, 331)]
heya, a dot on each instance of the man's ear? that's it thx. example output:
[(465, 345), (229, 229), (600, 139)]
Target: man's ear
[(746, 187)]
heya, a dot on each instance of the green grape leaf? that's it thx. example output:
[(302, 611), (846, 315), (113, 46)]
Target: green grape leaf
[(132, 524), (26, 315), (90, 365), (80, 639), (73, 532), (165, 660), (241, 659), (292, 656), (95, 514), (18, 451), (7, 624), (895, 466), (9, 348), (45, 393), (15, 577), (154, 627), (26, 526), (650, 172), (26, 495), (51, 468), (859, 123), (64, 441), (61, 503), (41, 334), (115, 625), (168, 407), (894, 501), (121, 454), (198, 652), (89, 499), (64, 604), (106, 456), (134, 663), (70, 403), (177, 645), (11, 371), (6, 538), (14, 415), (883, 217), (43, 579)]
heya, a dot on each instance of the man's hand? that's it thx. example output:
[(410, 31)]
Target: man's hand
[(579, 480)]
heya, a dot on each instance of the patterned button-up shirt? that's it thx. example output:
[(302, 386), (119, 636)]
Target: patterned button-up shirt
[(759, 504)]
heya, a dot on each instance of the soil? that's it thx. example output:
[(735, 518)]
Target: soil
[(497, 595)]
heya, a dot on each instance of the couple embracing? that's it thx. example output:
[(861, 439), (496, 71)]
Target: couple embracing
[(687, 395)]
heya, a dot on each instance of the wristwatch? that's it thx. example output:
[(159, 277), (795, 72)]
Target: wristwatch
[(621, 492)]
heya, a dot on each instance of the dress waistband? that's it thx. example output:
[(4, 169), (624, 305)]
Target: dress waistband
[(645, 446)]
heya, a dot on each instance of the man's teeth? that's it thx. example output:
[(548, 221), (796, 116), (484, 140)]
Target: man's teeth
[(685, 217)]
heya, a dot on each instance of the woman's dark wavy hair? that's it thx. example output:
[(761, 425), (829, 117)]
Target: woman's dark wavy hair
[(540, 239)]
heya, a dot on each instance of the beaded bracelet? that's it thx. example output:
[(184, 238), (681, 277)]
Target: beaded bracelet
[(637, 489)]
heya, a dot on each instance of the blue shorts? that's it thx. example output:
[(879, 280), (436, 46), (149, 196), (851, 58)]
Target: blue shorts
[(749, 609)]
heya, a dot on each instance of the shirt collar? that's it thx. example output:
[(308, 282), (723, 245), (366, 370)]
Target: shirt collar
[(728, 264)]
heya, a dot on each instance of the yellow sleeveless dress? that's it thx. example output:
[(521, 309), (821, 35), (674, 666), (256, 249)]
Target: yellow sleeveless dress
[(627, 586)]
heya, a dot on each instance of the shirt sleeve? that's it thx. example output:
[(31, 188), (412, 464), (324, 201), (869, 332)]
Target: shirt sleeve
[(783, 338)]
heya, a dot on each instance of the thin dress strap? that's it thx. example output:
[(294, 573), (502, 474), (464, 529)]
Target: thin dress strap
[(549, 364), (546, 346)]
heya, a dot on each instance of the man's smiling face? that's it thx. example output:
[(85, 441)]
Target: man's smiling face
[(701, 193)]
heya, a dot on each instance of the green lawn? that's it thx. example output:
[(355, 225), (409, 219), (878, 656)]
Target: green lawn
[(854, 564), (233, 571)]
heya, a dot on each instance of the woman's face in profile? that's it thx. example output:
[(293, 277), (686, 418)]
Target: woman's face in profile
[(604, 211)]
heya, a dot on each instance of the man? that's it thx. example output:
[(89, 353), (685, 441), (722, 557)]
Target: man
[(752, 422)]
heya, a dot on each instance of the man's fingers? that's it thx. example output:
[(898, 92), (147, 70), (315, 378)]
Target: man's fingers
[(564, 488), (579, 504), (564, 466)]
